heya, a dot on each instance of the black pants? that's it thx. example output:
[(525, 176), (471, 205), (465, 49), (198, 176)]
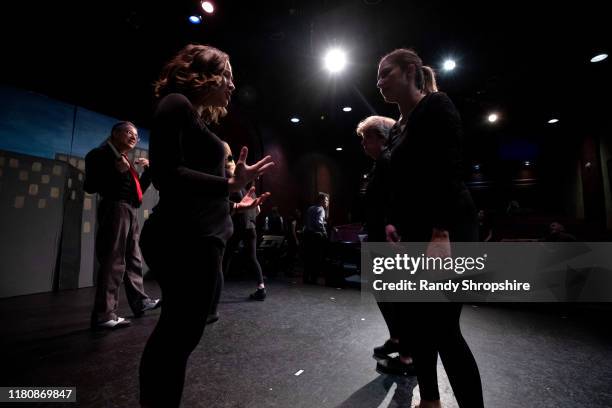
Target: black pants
[(314, 255), (249, 238), (188, 274), (438, 331), (391, 315)]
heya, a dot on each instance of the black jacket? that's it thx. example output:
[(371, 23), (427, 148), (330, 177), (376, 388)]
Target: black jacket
[(377, 199), (103, 178)]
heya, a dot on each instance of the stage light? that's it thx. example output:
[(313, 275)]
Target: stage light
[(599, 57), (295, 120), (338, 149), (449, 65), (335, 60), (492, 118), (553, 121), (195, 19), (208, 7), (476, 167), (347, 109), (527, 163)]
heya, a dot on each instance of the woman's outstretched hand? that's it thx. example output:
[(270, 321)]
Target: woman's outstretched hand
[(250, 200), (245, 173)]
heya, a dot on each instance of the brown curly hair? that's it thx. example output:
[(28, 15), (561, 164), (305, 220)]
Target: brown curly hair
[(195, 70)]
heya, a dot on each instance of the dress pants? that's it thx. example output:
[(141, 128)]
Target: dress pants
[(120, 260)]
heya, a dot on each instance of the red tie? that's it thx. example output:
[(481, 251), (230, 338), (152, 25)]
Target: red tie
[(135, 177)]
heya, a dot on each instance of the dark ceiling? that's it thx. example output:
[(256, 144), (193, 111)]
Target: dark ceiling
[(527, 60)]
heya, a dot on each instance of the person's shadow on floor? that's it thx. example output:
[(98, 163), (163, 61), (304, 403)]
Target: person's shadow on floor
[(376, 393)]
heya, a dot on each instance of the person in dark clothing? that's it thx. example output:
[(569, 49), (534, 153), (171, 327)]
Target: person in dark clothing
[(374, 134), (109, 173), (557, 233), (485, 227), (244, 231), (274, 223), (295, 233), (186, 234), (431, 204), (315, 238)]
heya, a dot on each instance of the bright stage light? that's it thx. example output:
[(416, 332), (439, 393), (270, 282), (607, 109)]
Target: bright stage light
[(449, 65), (492, 118), (599, 57), (195, 19), (338, 149), (208, 7), (553, 121), (347, 109), (335, 60), (295, 120)]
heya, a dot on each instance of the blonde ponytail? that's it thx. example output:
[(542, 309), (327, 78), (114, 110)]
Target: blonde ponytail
[(429, 80)]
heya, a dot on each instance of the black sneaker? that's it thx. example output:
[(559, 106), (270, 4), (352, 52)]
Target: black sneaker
[(382, 352), (394, 366), (259, 294)]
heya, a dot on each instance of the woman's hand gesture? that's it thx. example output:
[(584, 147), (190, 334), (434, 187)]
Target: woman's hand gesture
[(245, 173), (250, 200)]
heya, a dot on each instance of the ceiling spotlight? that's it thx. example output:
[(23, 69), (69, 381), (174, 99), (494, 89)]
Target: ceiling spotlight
[(338, 149), (208, 7), (599, 57), (295, 120), (527, 163), (449, 65), (553, 121), (347, 109), (335, 60), (195, 19), (492, 118)]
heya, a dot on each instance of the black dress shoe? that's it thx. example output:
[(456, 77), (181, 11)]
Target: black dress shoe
[(394, 366), (211, 318), (382, 352)]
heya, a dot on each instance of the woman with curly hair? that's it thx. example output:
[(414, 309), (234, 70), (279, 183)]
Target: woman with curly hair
[(184, 239)]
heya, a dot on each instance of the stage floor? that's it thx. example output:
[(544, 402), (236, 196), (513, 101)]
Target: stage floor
[(528, 355)]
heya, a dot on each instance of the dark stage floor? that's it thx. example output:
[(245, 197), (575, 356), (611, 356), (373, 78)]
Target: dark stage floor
[(529, 356)]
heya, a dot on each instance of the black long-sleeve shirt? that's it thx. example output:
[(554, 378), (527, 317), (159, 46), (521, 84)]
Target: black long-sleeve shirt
[(102, 177), (426, 173), (188, 169)]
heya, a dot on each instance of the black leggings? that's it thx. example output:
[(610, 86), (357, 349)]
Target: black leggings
[(438, 331), (188, 277), (392, 317), (249, 237)]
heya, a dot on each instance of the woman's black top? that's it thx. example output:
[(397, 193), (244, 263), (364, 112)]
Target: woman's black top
[(188, 169), (426, 174)]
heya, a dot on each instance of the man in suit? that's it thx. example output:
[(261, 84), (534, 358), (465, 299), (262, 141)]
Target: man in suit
[(109, 173)]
